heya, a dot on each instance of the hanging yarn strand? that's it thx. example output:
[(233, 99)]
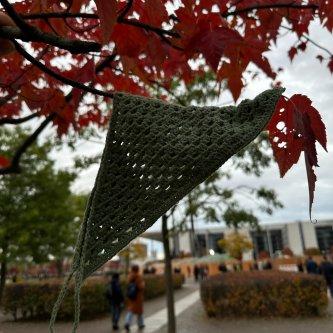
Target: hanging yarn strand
[(75, 268), (156, 153)]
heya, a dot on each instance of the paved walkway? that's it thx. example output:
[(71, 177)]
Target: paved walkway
[(190, 318), (155, 322), (194, 320)]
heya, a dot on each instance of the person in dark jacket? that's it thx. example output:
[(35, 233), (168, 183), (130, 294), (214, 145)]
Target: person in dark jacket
[(223, 268), (115, 297), (196, 273), (300, 267), (311, 266), (326, 270), (268, 265)]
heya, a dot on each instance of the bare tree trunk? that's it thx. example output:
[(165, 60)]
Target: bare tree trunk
[(3, 274), (127, 263), (194, 239), (168, 277), (60, 267)]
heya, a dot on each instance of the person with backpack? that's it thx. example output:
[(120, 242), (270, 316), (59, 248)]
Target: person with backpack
[(115, 297), (135, 297)]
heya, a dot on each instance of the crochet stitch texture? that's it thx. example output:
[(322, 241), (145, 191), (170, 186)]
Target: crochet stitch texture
[(155, 153)]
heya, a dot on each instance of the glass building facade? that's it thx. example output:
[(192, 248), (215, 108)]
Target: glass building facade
[(324, 236), (269, 240)]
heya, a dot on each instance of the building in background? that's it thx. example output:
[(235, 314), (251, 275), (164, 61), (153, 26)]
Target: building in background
[(273, 238)]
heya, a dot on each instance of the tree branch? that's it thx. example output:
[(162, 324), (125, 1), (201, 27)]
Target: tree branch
[(62, 15), (72, 45), (16, 121), (14, 166), (121, 19), (126, 9), (249, 9), (317, 45), (80, 31), (57, 76), (47, 21), (311, 41), (105, 62), (29, 33), (15, 16), (170, 92), (159, 31), (5, 99)]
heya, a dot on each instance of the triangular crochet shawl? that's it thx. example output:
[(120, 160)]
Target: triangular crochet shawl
[(156, 153)]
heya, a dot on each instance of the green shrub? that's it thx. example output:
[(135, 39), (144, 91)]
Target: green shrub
[(267, 293), (34, 300)]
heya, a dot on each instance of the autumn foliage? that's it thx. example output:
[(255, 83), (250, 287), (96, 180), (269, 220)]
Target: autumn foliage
[(235, 244), (79, 52)]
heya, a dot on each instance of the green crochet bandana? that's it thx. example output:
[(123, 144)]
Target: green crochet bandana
[(156, 153)]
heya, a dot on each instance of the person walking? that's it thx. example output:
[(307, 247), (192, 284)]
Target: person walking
[(300, 267), (196, 273), (311, 266), (135, 298), (326, 270), (115, 297), (223, 268)]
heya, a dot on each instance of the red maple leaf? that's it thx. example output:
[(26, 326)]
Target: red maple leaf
[(252, 51), (330, 65), (130, 41), (107, 13), (233, 73), (212, 42), (152, 12), (295, 127), (77, 4), (292, 52), (302, 46), (326, 13)]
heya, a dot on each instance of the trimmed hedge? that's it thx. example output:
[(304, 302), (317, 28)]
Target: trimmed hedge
[(264, 294), (155, 284), (34, 300)]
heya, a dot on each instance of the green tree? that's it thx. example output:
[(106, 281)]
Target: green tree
[(39, 217)]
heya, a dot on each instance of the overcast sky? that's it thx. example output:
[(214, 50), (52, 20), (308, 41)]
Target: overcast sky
[(306, 76)]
